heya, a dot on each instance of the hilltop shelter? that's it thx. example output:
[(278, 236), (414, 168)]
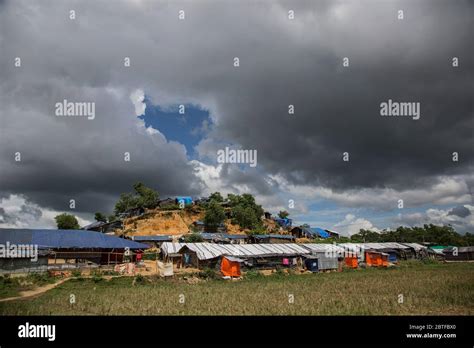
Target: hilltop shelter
[(186, 200), (285, 223), (83, 248), (309, 232), (273, 238)]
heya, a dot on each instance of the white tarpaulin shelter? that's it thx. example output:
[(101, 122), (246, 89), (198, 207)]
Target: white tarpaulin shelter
[(206, 251)]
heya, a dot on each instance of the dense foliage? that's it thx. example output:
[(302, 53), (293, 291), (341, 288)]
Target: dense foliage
[(66, 222), (143, 197), (443, 235), (214, 215), (245, 211)]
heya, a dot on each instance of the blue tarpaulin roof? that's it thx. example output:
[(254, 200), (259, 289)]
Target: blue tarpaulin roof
[(66, 239), (186, 199), (316, 232)]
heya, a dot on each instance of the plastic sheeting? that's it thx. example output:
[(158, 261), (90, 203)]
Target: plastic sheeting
[(66, 239), (165, 268), (206, 251)]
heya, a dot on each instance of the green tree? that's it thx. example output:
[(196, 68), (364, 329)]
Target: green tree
[(100, 217), (245, 211), (214, 215), (126, 202), (146, 197), (143, 197), (245, 217), (66, 222), (443, 235), (283, 214), (257, 230), (216, 196)]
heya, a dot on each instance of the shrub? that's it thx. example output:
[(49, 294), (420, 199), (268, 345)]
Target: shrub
[(252, 274), (139, 279), (76, 273), (193, 238), (208, 273)]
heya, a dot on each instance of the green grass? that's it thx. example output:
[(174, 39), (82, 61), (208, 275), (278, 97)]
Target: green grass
[(428, 289), (12, 286)]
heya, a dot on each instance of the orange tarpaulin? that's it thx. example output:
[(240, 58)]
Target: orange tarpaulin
[(230, 268), (376, 259), (351, 262)]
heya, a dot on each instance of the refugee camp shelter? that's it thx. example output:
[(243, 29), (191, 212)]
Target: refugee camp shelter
[(415, 250), (438, 250), (225, 238), (272, 238), (309, 232), (163, 203), (186, 200), (104, 227), (82, 247), (230, 266), (255, 255), (311, 263), (376, 259), (328, 255), (153, 241), (285, 223), (332, 233), (351, 261), (459, 253)]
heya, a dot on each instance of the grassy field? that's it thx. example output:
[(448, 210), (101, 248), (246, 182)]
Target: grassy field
[(427, 289)]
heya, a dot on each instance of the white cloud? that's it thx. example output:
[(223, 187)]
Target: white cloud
[(446, 190), (352, 224), (17, 212), (138, 99), (440, 217)]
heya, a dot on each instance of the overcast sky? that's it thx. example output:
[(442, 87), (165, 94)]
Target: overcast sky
[(283, 61)]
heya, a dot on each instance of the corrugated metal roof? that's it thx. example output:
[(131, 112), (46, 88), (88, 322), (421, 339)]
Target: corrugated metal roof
[(57, 239), (316, 247), (207, 251), (415, 246)]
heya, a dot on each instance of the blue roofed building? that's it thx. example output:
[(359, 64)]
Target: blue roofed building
[(310, 232), (79, 246)]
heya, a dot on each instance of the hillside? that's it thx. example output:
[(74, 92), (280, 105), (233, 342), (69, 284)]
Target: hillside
[(176, 222), (168, 222)]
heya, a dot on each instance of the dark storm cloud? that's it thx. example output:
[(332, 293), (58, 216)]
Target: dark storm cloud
[(460, 211), (282, 62)]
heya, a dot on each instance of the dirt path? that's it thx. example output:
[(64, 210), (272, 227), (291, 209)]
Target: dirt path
[(24, 295)]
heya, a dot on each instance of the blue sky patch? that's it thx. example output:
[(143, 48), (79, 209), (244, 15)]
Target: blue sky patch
[(186, 128)]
